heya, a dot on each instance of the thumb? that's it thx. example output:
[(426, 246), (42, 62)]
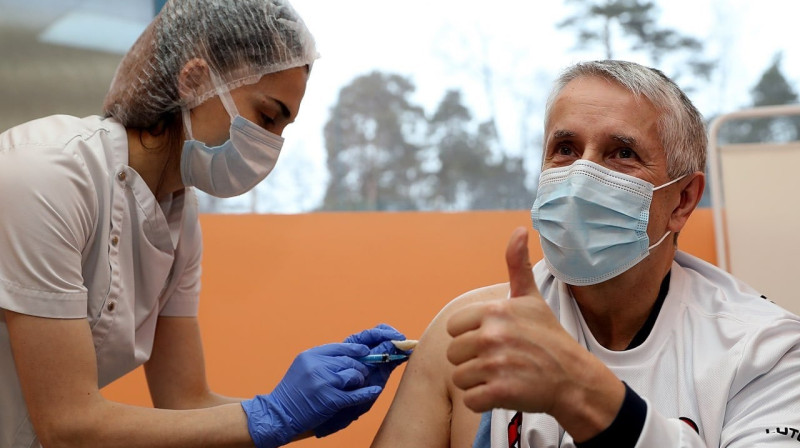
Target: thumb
[(520, 275)]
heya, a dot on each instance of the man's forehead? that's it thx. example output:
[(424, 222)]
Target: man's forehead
[(592, 102), (599, 88)]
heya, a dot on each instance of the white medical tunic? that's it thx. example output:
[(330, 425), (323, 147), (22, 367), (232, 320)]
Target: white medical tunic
[(719, 357), (83, 237)]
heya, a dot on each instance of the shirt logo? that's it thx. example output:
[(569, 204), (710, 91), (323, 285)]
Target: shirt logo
[(515, 431), (691, 423), (792, 433)]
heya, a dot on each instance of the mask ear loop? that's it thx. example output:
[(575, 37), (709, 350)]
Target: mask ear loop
[(187, 123), (668, 232), (659, 241), (669, 183), (224, 95)]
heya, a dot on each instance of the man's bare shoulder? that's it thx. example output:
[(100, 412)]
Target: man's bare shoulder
[(484, 294), (431, 353), (427, 409)]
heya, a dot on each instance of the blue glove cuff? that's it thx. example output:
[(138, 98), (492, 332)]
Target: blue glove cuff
[(268, 425)]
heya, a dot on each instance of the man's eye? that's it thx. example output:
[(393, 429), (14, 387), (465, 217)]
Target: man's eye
[(626, 153), (563, 150), (267, 119)]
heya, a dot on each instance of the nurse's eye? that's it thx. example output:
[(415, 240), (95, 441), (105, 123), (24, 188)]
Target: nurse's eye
[(266, 120)]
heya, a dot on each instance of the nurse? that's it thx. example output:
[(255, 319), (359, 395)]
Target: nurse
[(100, 245)]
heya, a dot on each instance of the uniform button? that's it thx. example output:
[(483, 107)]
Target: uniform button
[(114, 240), (122, 176), (112, 305)]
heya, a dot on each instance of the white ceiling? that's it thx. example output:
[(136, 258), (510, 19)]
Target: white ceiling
[(104, 25)]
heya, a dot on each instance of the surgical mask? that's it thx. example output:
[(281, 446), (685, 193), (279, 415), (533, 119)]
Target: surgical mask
[(236, 166), (592, 221)]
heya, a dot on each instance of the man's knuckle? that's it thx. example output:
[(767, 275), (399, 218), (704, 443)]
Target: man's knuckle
[(492, 337), (497, 308)]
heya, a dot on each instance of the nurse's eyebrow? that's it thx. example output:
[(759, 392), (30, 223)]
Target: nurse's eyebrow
[(625, 139)]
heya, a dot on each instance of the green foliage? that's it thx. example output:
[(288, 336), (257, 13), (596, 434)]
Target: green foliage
[(468, 177), (384, 153), (372, 159), (636, 21), (771, 90)]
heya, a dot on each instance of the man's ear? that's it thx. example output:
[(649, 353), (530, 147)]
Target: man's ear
[(193, 75), (690, 196)]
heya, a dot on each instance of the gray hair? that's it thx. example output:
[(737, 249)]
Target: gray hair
[(680, 127)]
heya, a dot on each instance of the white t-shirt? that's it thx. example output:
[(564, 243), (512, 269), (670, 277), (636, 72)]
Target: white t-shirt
[(83, 237), (718, 355)]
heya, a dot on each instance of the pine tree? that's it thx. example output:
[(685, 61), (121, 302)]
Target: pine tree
[(373, 160), (772, 89), (636, 21)]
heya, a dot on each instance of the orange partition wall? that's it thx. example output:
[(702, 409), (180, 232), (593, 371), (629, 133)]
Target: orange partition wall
[(274, 285)]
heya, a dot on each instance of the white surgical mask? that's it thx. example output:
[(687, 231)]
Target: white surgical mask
[(592, 221), (236, 166)]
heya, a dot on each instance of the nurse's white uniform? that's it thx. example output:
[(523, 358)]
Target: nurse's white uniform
[(82, 237), (720, 368)]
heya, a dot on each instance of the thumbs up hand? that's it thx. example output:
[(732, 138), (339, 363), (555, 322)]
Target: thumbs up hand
[(520, 271), (513, 353)]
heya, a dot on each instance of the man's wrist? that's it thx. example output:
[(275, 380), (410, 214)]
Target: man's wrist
[(627, 426), (592, 405)]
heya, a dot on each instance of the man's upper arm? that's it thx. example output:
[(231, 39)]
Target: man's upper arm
[(426, 411)]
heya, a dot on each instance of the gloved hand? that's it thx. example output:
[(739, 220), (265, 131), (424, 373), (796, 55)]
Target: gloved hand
[(378, 339), (320, 382)]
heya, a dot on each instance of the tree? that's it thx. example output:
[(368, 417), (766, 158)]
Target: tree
[(384, 154), (772, 89), (596, 21), (467, 177), (373, 160)]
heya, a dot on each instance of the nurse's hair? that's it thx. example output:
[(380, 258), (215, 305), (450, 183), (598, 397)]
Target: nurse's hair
[(234, 42), (680, 127)]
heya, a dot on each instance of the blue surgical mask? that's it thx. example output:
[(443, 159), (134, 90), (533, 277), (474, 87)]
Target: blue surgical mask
[(592, 221), (236, 166)]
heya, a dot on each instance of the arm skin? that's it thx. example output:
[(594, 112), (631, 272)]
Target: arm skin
[(514, 354), (428, 410), (55, 360), (176, 374), (176, 370), (482, 352)]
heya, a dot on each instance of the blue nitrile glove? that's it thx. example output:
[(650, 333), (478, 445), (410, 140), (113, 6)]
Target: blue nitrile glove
[(378, 339), (320, 382)]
